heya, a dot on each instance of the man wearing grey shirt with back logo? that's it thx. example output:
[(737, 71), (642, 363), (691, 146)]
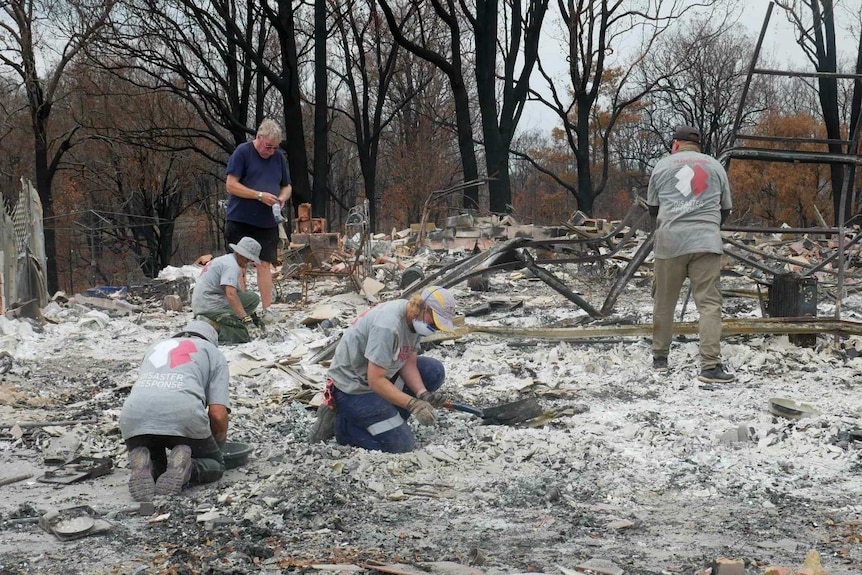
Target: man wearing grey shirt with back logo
[(689, 199), (180, 402), (220, 297)]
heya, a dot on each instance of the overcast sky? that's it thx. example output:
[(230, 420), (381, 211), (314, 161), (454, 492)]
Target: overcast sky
[(780, 39), (779, 43)]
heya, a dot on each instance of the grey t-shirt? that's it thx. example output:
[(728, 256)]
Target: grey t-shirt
[(178, 379), (208, 295), (381, 336), (690, 190)]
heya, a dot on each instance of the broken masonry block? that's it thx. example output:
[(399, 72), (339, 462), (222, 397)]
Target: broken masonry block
[(725, 566), (410, 276), (519, 231), (172, 303), (303, 212), (812, 564), (61, 449), (303, 227), (479, 283), (428, 227), (578, 218), (460, 221)]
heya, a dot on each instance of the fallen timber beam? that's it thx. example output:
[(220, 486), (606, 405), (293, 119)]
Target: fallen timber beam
[(475, 264), (513, 255), (623, 279), (59, 423), (769, 326), (556, 284), (750, 262)]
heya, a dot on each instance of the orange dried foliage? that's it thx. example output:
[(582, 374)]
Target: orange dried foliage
[(773, 193)]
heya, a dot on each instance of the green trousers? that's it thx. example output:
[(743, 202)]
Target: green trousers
[(230, 328), (703, 270)]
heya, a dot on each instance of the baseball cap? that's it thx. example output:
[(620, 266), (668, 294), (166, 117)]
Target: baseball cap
[(202, 329), (687, 134), (442, 305)]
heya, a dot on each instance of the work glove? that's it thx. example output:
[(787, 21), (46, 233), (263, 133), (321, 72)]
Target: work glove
[(422, 411), (435, 398), (254, 332), (258, 322)]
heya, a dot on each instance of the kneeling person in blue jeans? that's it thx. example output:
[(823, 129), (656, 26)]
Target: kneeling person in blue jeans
[(180, 403), (377, 379)]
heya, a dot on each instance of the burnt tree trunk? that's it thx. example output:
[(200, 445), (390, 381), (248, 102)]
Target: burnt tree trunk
[(321, 127), (297, 157)]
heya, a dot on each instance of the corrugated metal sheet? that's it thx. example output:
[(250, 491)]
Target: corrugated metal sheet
[(22, 250)]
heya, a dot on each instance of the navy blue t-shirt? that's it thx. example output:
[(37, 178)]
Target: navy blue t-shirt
[(263, 175)]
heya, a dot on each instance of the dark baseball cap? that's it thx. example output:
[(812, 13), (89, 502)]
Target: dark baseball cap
[(687, 134)]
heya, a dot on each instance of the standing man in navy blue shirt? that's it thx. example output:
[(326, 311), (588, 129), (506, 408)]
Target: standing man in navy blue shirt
[(258, 178)]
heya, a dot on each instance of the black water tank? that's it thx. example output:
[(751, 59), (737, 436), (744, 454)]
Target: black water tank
[(791, 295)]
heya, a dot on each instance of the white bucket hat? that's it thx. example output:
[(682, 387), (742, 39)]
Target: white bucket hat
[(247, 248)]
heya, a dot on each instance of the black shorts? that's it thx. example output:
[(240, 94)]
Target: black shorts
[(266, 237)]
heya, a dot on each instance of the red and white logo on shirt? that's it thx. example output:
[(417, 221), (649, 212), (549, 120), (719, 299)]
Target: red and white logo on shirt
[(172, 352), (691, 180)]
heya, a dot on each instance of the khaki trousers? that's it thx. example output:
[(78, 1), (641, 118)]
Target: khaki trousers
[(704, 272)]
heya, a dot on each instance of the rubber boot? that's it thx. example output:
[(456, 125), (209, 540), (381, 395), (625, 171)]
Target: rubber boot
[(324, 427)]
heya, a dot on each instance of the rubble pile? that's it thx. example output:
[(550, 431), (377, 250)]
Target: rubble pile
[(626, 471)]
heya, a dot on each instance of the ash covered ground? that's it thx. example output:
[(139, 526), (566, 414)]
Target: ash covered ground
[(628, 466)]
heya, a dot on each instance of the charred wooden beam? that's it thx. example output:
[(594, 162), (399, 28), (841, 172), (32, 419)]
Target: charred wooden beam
[(556, 284), (757, 326), (783, 230), (753, 263), (624, 278)]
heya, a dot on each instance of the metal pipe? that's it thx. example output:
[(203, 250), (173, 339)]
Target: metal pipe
[(768, 155), (751, 68), (776, 230), (787, 139), (837, 75)]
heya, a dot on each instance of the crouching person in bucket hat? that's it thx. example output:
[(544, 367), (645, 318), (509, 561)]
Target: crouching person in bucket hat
[(377, 380), (220, 296), (180, 403)]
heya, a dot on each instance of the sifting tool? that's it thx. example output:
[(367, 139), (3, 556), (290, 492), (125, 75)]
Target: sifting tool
[(511, 413)]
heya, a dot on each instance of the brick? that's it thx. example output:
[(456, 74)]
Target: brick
[(303, 212)]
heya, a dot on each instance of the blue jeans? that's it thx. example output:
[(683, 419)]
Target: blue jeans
[(367, 420)]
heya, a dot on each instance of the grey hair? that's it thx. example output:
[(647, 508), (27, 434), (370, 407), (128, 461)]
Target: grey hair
[(270, 130)]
